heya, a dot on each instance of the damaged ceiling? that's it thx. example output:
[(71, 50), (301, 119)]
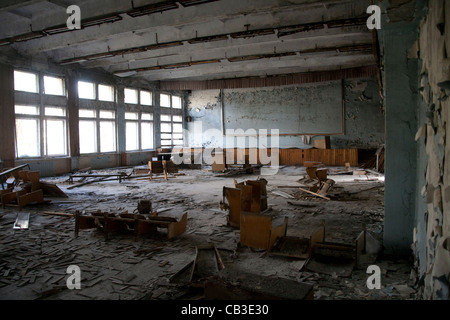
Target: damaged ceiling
[(192, 39)]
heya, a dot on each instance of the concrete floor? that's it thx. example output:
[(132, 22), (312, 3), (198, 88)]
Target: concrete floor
[(33, 262)]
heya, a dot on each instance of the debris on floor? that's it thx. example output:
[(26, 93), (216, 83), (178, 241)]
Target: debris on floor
[(34, 261)]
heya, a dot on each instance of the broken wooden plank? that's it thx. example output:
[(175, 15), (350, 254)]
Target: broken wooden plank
[(52, 190), (87, 182), (314, 194), (9, 171)]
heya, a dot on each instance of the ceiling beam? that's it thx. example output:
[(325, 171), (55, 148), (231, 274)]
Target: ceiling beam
[(289, 65), (365, 48), (271, 81), (236, 35)]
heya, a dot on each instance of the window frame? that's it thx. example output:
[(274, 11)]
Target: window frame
[(172, 112)]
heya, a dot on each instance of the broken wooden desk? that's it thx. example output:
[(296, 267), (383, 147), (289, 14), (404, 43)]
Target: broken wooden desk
[(164, 167), (138, 224)]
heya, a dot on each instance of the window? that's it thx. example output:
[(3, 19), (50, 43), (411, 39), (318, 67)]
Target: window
[(164, 100), (166, 130), (176, 102), (27, 131), (107, 131), (97, 134), (55, 137), (131, 96), (131, 136), (30, 110), (146, 131), (105, 93), (86, 90), (138, 130), (171, 130), (88, 131), (26, 81), (146, 98), (54, 86)]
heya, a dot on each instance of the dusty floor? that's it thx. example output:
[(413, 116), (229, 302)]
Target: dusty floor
[(33, 262)]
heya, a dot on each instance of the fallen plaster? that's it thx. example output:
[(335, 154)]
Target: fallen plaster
[(434, 272)]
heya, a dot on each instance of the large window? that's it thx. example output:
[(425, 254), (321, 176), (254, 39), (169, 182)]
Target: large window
[(97, 131), (171, 120), (97, 121), (27, 131), (138, 131), (55, 137), (107, 123), (41, 129), (88, 131), (138, 120)]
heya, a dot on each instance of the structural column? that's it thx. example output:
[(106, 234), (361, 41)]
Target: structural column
[(7, 116), (73, 106), (401, 74)]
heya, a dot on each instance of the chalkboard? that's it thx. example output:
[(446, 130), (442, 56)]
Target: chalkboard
[(313, 109)]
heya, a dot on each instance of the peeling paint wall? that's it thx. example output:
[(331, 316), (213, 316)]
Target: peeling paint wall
[(363, 114), (432, 233)]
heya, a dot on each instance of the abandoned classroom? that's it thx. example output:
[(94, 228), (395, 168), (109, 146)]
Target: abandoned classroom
[(224, 150)]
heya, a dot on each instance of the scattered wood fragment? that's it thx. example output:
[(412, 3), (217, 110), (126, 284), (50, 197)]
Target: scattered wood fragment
[(283, 194)]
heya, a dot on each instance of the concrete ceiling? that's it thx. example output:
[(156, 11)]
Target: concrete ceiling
[(192, 39)]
